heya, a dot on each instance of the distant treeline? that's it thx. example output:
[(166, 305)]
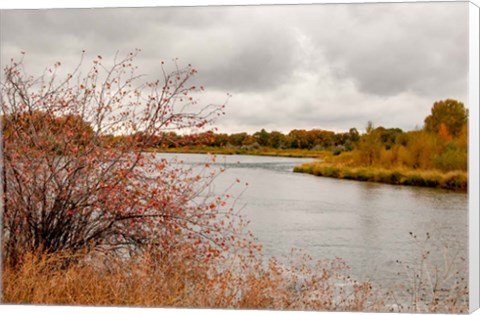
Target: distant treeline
[(440, 144), (314, 139)]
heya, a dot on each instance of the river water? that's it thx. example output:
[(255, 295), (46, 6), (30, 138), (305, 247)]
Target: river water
[(370, 226)]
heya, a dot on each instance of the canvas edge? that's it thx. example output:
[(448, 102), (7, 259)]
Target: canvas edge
[(474, 86), (53, 4), (474, 282)]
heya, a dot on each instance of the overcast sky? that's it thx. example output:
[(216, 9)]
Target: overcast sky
[(331, 66)]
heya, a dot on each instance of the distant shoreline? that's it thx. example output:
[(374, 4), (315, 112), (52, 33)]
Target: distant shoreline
[(297, 153), (452, 180)]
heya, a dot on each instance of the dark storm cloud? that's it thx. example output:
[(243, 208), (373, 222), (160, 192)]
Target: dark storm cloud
[(299, 66)]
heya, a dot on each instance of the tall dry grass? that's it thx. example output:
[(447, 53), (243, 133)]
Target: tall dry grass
[(241, 282), (244, 282), (452, 180)]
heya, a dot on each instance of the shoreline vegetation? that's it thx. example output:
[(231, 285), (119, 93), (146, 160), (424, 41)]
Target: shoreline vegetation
[(297, 153), (239, 282), (434, 156), (328, 166), (183, 281), (452, 180), (456, 180)]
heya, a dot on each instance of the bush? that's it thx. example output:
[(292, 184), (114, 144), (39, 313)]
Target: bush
[(96, 195), (347, 174), (414, 180), (433, 181), (383, 177), (331, 172), (396, 177), (450, 160), (338, 150), (456, 182), (364, 175), (317, 171)]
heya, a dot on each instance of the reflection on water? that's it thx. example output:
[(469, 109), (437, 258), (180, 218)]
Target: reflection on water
[(366, 224)]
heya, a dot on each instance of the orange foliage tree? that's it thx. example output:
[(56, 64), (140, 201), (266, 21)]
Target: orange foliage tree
[(65, 187), (443, 132), (451, 113)]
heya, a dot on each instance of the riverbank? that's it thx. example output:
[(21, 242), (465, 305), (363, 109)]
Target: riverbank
[(340, 167), (452, 180), (241, 151)]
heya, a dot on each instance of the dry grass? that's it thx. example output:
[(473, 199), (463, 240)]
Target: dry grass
[(170, 282), (43, 280), (244, 283), (453, 180)]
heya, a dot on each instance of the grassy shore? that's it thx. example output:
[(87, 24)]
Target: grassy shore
[(453, 180), (240, 151), (340, 167)]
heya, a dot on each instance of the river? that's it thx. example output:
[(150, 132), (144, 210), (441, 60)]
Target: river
[(368, 225)]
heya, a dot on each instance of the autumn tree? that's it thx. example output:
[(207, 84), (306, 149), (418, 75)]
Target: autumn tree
[(443, 132), (67, 185), (354, 135), (277, 140), (237, 139), (450, 115), (220, 140), (368, 146), (262, 137), (388, 136), (300, 139), (73, 127), (422, 148)]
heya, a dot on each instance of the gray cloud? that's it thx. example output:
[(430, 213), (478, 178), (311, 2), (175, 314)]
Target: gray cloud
[(302, 66), (390, 48)]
